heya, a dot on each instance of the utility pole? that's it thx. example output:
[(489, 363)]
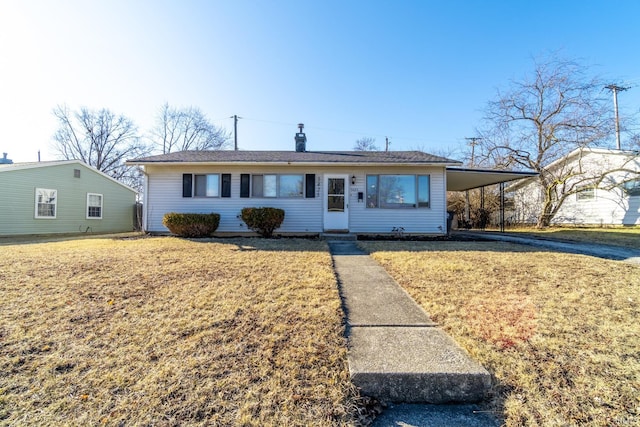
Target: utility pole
[(235, 131), (467, 206), (472, 142), (386, 143), (615, 89)]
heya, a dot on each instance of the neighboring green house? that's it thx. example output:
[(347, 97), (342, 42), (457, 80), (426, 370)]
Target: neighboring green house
[(62, 197)]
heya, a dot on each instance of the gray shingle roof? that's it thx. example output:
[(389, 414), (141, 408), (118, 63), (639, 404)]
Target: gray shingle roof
[(346, 157)]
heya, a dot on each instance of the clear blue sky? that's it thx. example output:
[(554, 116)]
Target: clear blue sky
[(419, 72)]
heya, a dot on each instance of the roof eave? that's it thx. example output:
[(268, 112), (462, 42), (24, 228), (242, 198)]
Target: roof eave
[(287, 163)]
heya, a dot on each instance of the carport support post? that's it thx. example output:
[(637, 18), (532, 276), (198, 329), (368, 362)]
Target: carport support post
[(467, 213), (502, 207)]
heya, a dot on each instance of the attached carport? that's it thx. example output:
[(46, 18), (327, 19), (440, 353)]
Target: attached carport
[(465, 179)]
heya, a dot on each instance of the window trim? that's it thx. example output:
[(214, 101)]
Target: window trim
[(90, 206), (417, 205), (55, 204)]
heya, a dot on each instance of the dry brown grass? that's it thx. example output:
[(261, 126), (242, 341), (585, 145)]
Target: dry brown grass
[(164, 331), (628, 237), (559, 332)]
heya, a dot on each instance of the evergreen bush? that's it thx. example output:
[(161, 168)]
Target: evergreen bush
[(263, 220), (191, 224)]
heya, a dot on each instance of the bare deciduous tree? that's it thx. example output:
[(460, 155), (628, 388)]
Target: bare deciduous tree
[(366, 144), (185, 129), (100, 139), (542, 118)]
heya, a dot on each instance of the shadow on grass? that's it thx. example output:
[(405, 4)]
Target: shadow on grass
[(275, 244), (31, 239)]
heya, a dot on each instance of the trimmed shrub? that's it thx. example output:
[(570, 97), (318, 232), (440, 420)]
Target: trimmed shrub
[(191, 224), (263, 220)]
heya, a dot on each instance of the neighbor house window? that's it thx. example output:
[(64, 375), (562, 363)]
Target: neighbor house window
[(632, 187), (271, 185), (46, 203), (94, 206), (207, 185), (586, 193), (398, 191)]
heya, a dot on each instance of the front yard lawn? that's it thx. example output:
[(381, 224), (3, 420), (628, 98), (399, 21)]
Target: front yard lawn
[(165, 331), (559, 332)]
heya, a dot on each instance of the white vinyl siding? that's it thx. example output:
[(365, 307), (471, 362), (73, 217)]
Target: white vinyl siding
[(302, 215), (164, 194)]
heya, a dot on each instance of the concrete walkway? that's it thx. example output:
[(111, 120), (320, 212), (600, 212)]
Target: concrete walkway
[(398, 354), (593, 249)]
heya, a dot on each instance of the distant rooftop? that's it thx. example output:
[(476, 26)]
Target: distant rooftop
[(4, 160)]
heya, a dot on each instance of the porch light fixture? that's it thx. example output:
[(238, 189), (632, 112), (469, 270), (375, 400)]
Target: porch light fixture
[(353, 180)]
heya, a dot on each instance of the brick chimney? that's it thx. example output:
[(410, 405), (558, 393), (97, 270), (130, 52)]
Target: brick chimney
[(301, 139)]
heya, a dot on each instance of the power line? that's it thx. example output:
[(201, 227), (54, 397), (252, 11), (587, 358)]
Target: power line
[(352, 132)]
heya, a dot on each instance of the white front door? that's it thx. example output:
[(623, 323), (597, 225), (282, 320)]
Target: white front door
[(336, 202)]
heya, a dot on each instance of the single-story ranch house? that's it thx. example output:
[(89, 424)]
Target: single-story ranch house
[(62, 197), (320, 191)]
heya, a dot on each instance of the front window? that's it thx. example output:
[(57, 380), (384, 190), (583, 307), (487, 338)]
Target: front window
[(291, 186), (94, 206), (398, 191), (46, 203), (270, 185), (207, 185), (424, 192)]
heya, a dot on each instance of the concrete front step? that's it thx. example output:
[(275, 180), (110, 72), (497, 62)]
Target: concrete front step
[(339, 237), (414, 364)]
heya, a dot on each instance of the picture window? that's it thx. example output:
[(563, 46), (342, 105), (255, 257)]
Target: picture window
[(398, 191)]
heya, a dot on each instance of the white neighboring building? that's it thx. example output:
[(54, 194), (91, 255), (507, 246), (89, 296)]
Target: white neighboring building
[(604, 189)]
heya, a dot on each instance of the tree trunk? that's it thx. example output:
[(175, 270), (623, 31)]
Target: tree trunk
[(546, 215)]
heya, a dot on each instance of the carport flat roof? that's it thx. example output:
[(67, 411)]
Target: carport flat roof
[(461, 179)]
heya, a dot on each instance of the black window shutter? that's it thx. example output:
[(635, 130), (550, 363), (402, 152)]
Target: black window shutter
[(310, 185), (187, 184), (226, 185), (245, 180)]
